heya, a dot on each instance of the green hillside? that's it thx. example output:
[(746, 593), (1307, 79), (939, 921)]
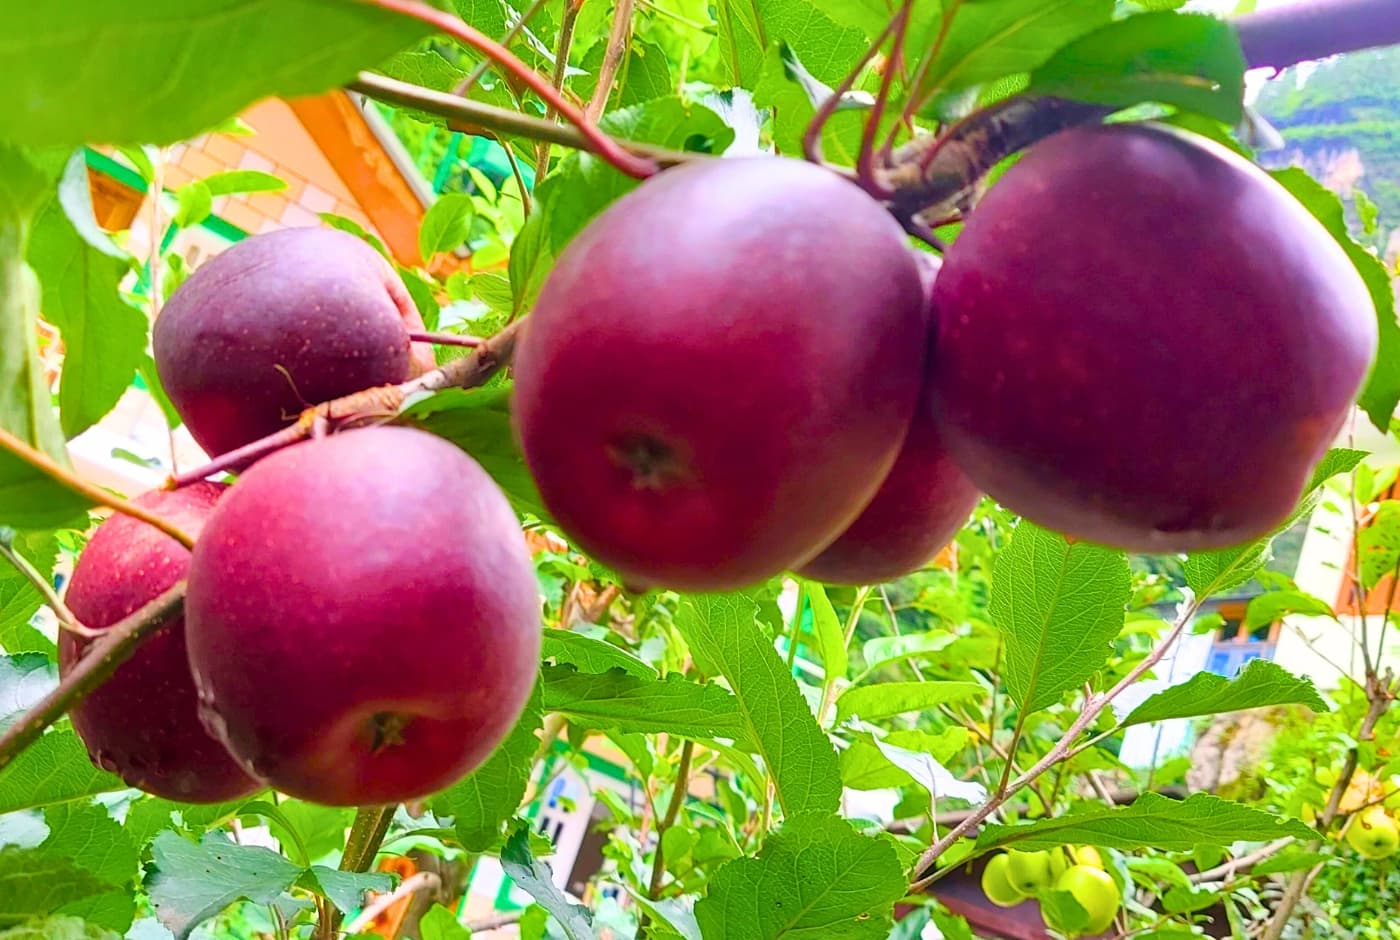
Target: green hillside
[(1353, 101)]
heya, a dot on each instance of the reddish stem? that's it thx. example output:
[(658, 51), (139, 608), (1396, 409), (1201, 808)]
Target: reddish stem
[(865, 160), (446, 339), (607, 148), (812, 139)]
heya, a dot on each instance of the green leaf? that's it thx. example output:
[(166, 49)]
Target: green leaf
[(307, 832), (815, 876), (989, 40), (930, 773), (874, 702), (725, 639), (865, 766), (28, 498), (1290, 860), (1189, 61), (1209, 573), (748, 31), (1378, 544), (441, 924), (86, 835), (594, 656), (478, 421), (192, 882), (242, 181), (485, 799), (446, 224), (58, 928), (104, 337), (1382, 391), (1063, 912), (616, 701), (584, 185), (831, 638), (161, 72), (193, 204), (1179, 900), (33, 883), (346, 889), (1059, 605), (24, 679), (53, 769), (533, 877), (1260, 683), (1151, 821), (885, 651), (1273, 606)]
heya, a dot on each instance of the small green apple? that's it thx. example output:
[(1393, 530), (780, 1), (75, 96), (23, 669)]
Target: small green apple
[(997, 886), (1095, 891), (1029, 871), (1374, 834)]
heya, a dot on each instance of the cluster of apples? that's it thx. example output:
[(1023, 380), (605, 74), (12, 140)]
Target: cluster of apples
[(362, 619), (1372, 804), (1012, 877), (741, 368), (1138, 338)]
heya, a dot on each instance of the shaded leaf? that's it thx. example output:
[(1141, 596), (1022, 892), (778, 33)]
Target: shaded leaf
[(86, 835), (725, 639), (617, 701), (1060, 605), (590, 655), (865, 766), (346, 889), (60, 927), (815, 876), (33, 883), (24, 679), (1260, 683), (1378, 544)]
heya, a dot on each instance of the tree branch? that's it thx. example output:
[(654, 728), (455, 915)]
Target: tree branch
[(370, 405), (114, 647), (91, 492), (1092, 709), (458, 29), (658, 865), (618, 39), (473, 117), (361, 845), (423, 881), (1315, 29)]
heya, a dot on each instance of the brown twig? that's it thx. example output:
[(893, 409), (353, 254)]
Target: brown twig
[(1228, 869), (422, 881), (619, 37), (445, 339), (458, 29), (466, 84), (370, 405), (561, 68), (495, 921), (109, 651), (92, 493)]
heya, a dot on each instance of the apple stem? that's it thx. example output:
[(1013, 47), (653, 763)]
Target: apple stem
[(89, 491), (114, 647), (446, 339), (361, 846), (925, 874), (367, 406), (43, 585), (607, 148)]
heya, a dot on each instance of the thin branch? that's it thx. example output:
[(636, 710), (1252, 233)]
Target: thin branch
[(92, 493), (1228, 869), (445, 339), (44, 586), (519, 177), (109, 651), (422, 881), (561, 69), (368, 406), (453, 26), (466, 84), (619, 37), (658, 865), (496, 921), (1092, 709), (473, 117)]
